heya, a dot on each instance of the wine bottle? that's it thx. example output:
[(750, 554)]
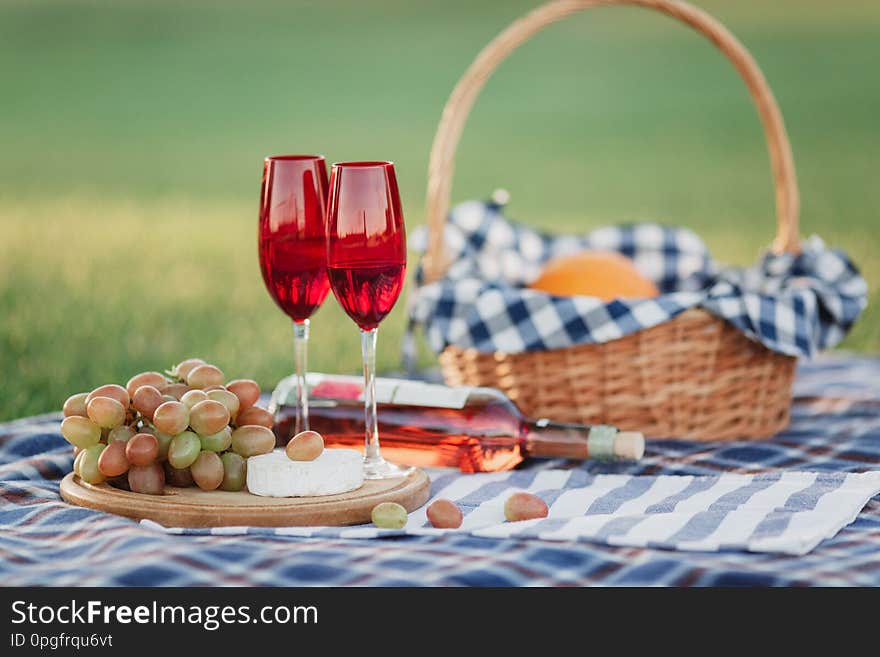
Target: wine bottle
[(472, 428)]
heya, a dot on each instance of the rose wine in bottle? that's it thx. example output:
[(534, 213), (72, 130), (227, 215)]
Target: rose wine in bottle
[(473, 429)]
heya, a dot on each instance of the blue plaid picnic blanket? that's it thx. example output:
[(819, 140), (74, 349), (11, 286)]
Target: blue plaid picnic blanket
[(792, 304), (835, 429)]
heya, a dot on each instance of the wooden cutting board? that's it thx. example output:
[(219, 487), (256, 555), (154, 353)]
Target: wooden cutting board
[(193, 507)]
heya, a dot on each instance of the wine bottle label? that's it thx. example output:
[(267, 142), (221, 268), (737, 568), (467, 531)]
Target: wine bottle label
[(388, 391)]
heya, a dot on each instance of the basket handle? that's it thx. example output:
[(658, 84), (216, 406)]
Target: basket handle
[(442, 160)]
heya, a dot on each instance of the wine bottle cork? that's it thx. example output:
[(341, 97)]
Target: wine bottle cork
[(629, 445)]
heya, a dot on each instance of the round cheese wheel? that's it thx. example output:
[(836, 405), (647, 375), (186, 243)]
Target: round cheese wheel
[(334, 471)]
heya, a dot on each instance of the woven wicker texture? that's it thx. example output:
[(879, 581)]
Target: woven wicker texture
[(695, 376)]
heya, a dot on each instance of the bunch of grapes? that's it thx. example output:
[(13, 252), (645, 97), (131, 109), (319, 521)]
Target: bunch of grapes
[(183, 427)]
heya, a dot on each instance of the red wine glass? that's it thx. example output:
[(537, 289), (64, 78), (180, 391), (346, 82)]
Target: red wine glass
[(366, 262), (293, 250)]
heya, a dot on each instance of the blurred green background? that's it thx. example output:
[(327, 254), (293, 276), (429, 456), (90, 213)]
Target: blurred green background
[(132, 134)]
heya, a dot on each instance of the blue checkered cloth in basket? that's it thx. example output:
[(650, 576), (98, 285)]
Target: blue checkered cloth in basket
[(795, 305), (835, 429)]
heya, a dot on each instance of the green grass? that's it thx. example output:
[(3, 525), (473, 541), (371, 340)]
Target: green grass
[(132, 133)]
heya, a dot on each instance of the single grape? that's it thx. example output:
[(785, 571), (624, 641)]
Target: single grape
[(204, 376), (389, 515), (181, 478), (228, 399), (147, 479), (75, 405), (207, 471), (171, 417), (234, 471), (247, 391), (123, 433), (251, 440), (77, 460), (255, 415), (112, 391), (143, 449), (524, 506), (444, 514), (217, 442), (164, 440), (80, 431), (184, 449), (88, 466), (120, 482), (305, 446), (113, 461), (210, 388), (106, 412), (145, 379), (176, 390), (208, 417), (146, 400), (193, 397), (184, 367)]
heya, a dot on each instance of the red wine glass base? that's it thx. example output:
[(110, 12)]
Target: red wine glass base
[(379, 468)]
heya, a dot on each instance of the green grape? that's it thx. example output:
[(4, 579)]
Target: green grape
[(228, 399), (88, 467), (234, 471), (184, 450), (252, 440), (171, 417), (217, 442), (76, 405), (389, 515), (124, 433), (106, 412), (207, 471), (77, 460), (80, 431), (164, 442), (208, 417)]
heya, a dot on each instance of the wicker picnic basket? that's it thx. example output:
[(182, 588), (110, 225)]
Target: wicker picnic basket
[(695, 376)]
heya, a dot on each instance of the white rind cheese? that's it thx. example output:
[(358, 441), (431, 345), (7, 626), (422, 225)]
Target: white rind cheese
[(334, 471)]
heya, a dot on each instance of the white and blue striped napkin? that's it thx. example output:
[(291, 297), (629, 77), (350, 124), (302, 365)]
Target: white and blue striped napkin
[(784, 512)]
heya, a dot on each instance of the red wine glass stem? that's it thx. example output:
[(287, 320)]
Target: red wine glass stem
[(300, 354), (372, 454)]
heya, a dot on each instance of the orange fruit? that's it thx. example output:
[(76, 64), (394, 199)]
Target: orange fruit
[(601, 274)]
